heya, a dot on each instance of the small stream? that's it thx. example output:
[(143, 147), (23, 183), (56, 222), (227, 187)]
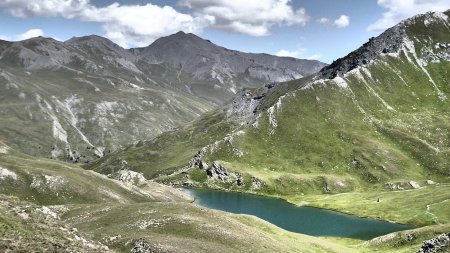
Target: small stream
[(305, 220)]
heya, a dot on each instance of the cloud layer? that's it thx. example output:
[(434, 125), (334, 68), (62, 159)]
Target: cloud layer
[(127, 25), (26, 35), (398, 10), (252, 17), (139, 25)]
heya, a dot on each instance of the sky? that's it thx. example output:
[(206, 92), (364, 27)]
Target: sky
[(310, 29)]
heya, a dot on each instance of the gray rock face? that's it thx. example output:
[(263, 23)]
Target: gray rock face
[(4, 44), (141, 246), (388, 42), (437, 244), (217, 171), (392, 41), (129, 176), (240, 181), (256, 183), (395, 186), (242, 108), (205, 60)]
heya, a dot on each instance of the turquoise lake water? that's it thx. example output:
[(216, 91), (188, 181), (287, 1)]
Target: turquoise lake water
[(305, 220)]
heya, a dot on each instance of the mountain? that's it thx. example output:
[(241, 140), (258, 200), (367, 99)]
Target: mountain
[(367, 135), (207, 61), (85, 97)]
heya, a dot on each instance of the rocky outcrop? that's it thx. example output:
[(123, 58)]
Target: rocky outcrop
[(388, 42), (257, 183), (197, 161), (441, 51), (414, 184), (244, 105), (240, 181), (392, 41), (218, 172), (141, 246), (430, 182), (440, 243), (129, 176), (395, 186)]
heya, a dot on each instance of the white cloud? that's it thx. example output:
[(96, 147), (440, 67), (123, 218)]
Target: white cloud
[(399, 10), (139, 25), (26, 35), (251, 17), (30, 34), (299, 53), (127, 25), (314, 57), (324, 21), (25, 8), (341, 22), (287, 53)]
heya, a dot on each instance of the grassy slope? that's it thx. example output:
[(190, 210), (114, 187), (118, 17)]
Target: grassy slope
[(178, 227), (425, 206), (24, 228), (49, 182), (42, 216), (400, 242)]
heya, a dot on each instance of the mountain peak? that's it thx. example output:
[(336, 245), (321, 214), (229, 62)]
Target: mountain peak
[(180, 37), (388, 42), (428, 25), (91, 39)]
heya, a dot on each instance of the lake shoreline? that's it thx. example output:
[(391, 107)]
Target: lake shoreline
[(309, 220), (288, 200)]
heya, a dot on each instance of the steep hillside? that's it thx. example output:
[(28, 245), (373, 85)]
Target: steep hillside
[(80, 99), (375, 120)]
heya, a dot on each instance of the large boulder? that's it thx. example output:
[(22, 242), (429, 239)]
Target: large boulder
[(440, 243)]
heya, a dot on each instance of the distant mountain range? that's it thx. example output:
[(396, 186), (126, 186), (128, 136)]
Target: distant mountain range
[(87, 96)]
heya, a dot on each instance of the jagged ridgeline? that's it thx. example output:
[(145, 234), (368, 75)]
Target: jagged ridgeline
[(80, 99), (379, 116)]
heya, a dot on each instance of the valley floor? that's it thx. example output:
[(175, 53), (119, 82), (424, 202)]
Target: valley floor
[(50, 205)]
